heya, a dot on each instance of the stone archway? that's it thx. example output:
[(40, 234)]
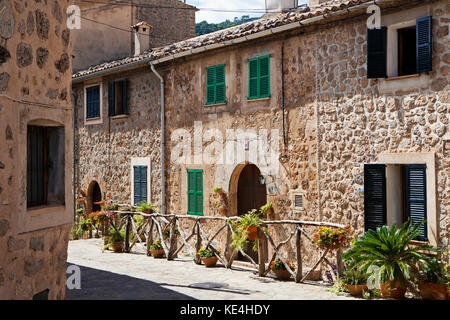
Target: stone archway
[(94, 194), (247, 193)]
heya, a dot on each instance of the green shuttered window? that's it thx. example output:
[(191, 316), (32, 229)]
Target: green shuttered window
[(93, 102), (374, 196), (140, 184), (416, 197), (259, 77), (215, 85), (195, 192)]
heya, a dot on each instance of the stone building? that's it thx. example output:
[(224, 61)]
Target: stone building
[(105, 33), (361, 122), (36, 198)]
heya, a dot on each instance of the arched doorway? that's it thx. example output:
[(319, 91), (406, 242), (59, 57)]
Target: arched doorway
[(251, 194), (94, 195)]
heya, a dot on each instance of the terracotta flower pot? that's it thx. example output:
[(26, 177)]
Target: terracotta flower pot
[(282, 274), (210, 262), (157, 253), (356, 290), (252, 233), (432, 291), (396, 292), (117, 246)]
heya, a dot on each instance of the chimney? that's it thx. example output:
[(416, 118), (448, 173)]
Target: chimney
[(141, 37), (277, 6), (316, 2)]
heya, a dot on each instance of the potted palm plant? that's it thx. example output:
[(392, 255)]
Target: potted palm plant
[(355, 281), (267, 209), (246, 228), (208, 256), (156, 249), (393, 252)]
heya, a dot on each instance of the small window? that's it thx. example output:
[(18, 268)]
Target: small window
[(45, 166), (118, 98), (259, 77), (215, 85), (298, 201), (400, 50), (93, 102), (140, 184), (195, 192)]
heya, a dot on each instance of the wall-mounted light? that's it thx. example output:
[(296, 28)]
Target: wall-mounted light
[(262, 180)]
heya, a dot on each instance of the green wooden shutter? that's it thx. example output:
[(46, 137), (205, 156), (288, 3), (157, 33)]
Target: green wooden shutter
[(140, 184), (195, 192), (377, 53), (93, 102), (423, 45), (264, 77), (220, 84), (210, 85), (112, 99), (416, 197), (253, 78), (125, 96), (374, 196)]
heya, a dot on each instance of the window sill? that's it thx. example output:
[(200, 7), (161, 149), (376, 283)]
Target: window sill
[(121, 116), (215, 105), (46, 210), (93, 119), (259, 99), (416, 75)]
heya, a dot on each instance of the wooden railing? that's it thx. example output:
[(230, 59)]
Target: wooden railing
[(152, 229)]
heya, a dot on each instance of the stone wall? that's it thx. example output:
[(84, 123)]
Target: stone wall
[(330, 103), (35, 78), (104, 151)]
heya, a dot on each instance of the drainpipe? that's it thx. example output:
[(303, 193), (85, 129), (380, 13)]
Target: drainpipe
[(74, 104), (163, 178)]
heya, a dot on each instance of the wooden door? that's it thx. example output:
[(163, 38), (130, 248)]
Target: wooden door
[(251, 195)]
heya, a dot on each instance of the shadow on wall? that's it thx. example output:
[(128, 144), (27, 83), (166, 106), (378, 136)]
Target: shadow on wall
[(103, 285)]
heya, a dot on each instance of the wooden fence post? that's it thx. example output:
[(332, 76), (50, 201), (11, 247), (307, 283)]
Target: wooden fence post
[(150, 237), (261, 253), (127, 234), (172, 239), (298, 246), (339, 264), (198, 245)]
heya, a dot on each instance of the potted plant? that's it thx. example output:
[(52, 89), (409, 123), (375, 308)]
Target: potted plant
[(218, 190), (145, 207), (267, 209), (208, 256), (222, 209), (331, 238), (433, 280), (111, 206), (156, 249), (355, 281), (392, 251), (246, 228), (116, 240), (280, 270)]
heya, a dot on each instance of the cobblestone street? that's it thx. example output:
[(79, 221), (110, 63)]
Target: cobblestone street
[(135, 276)]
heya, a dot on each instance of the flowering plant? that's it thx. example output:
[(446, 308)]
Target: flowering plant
[(208, 253), (111, 206), (156, 245), (331, 239), (279, 265)]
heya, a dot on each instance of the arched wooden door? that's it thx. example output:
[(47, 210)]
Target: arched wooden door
[(96, 197), (251, 194)]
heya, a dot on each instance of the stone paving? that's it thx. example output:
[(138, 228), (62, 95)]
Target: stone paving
[(135, 276)]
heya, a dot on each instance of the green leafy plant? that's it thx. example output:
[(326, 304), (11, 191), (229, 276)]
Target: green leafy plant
[(145, 207), (355, 276), (217, 189), (267, 208), (208, 253), (139, 220), (116, 236), (85, 225), (156, 245), (79, 211), (111, 206), (127, 209), (392, 250), (240, 229), (435, 271)]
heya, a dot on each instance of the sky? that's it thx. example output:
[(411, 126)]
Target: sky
[(215, 16)]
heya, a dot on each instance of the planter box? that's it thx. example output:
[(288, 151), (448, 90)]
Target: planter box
[(432, 291), (157, 253), (356, 290), (282, 274), (396, 292)]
